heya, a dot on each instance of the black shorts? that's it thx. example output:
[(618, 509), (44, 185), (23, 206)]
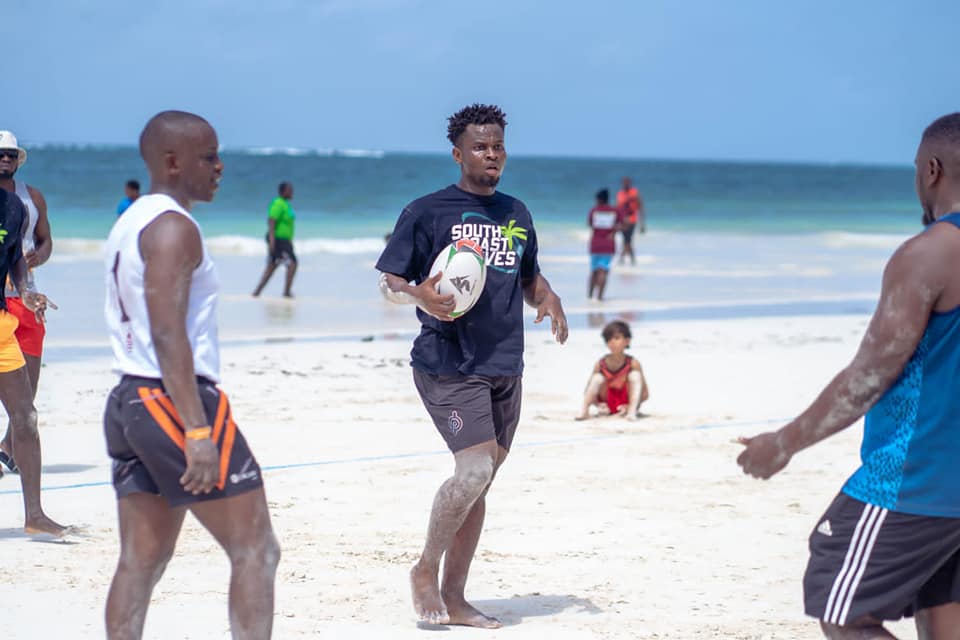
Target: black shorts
[(868, 561), (145, 440), (282, 251), (468, 410), (628, 232)]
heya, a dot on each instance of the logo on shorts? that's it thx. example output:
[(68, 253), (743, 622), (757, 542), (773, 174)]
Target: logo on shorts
[(237, 478), (824, 528), (454, 422)]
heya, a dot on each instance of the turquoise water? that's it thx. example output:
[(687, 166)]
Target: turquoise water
[(726, 239), (345, 196)]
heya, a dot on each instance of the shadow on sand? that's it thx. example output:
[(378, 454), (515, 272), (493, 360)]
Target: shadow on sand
[(66, 468), (55, 468), (513, 611), (17, 533)]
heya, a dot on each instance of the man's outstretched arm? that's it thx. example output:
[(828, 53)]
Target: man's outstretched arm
[(912, 283)]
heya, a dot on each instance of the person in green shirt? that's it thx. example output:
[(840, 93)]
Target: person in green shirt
[(280, 240)]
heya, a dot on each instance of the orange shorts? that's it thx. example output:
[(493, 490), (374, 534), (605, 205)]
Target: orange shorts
[(30, 333), (11, 358)]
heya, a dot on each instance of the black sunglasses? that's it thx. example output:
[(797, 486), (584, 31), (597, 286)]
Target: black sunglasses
[(13, 154)]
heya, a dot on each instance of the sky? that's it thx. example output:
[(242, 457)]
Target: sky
[(821, 81)]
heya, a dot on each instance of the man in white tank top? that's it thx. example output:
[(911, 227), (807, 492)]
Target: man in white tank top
[(37, 246), (169, 429)]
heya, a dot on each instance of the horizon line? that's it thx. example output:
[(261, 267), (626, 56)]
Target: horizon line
[(364, 153)]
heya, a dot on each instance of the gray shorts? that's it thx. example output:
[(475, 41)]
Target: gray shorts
[(469, 410), (868, 561)]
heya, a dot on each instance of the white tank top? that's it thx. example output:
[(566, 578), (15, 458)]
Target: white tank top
[(24, 194), (29, 244), (126, 305)]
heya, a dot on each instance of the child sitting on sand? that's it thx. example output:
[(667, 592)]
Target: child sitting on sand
[(617, 385)]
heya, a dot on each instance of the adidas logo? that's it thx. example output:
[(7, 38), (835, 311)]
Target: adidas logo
[(824, 528)]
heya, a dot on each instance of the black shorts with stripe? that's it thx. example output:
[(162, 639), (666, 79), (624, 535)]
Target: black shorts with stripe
[(469, 410), (866, 561), (145, 440)]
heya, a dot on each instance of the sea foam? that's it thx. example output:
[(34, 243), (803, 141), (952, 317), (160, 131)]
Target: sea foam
[(73, 249)]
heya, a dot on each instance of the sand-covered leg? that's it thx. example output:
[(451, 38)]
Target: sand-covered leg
[(241, 524), (451, 506), (456, 566), (16, 397), (939, 622), (635, 382), (590, 395), (865, 631), (148, 536)]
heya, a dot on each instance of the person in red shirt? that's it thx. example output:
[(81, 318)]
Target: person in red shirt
[(605, 222), (629, 199), (617, 385)]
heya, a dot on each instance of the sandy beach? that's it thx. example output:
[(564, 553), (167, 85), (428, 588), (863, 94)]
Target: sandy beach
[(597, 529)]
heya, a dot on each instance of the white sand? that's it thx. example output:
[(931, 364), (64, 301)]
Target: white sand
[(602, 529)]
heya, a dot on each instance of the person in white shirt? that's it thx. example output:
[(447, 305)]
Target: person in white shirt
[(169, 429)]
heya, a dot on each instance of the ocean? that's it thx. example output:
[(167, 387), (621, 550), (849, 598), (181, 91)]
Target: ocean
[(724, 239), (356, 195)]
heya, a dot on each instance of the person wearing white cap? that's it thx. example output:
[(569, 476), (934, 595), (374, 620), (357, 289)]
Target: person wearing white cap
[(16, 395), (37, 245)]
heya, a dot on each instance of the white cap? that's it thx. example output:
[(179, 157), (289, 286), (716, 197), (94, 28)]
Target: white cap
[(9, 141)]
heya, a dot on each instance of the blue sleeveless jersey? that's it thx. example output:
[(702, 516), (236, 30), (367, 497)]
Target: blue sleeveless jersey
[(911, 437)]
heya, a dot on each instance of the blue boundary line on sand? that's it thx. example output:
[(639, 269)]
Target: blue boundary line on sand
[(427, 454)]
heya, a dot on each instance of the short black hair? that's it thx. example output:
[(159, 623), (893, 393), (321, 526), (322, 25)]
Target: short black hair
[(162, 130), (133, 184), (616, 328), (474, 114), (944, 129), (603, 196), (283, 187)]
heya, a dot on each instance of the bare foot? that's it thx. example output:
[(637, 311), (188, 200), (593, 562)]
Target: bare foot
[(426, 596), (43, 524), (582, 417), (463, 613)]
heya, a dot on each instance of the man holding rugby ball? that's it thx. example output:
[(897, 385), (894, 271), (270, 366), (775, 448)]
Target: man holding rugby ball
[(467, 371)]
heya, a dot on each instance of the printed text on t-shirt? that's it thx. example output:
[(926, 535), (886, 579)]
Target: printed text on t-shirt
[(502, 244)]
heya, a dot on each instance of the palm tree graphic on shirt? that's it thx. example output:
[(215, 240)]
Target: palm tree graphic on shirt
[(515, 237), (510, 232)]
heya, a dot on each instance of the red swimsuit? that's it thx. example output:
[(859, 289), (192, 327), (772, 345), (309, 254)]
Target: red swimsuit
[(618, 391)]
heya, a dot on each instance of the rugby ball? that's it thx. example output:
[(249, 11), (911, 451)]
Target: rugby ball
[(464, 270)]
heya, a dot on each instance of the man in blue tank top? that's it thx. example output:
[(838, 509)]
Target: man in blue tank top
[(889, 545)]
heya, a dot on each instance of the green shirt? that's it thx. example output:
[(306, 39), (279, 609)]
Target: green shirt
[(281, 212)]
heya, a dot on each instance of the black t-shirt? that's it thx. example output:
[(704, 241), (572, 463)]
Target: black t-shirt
[(12, 216), (487, 340)]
